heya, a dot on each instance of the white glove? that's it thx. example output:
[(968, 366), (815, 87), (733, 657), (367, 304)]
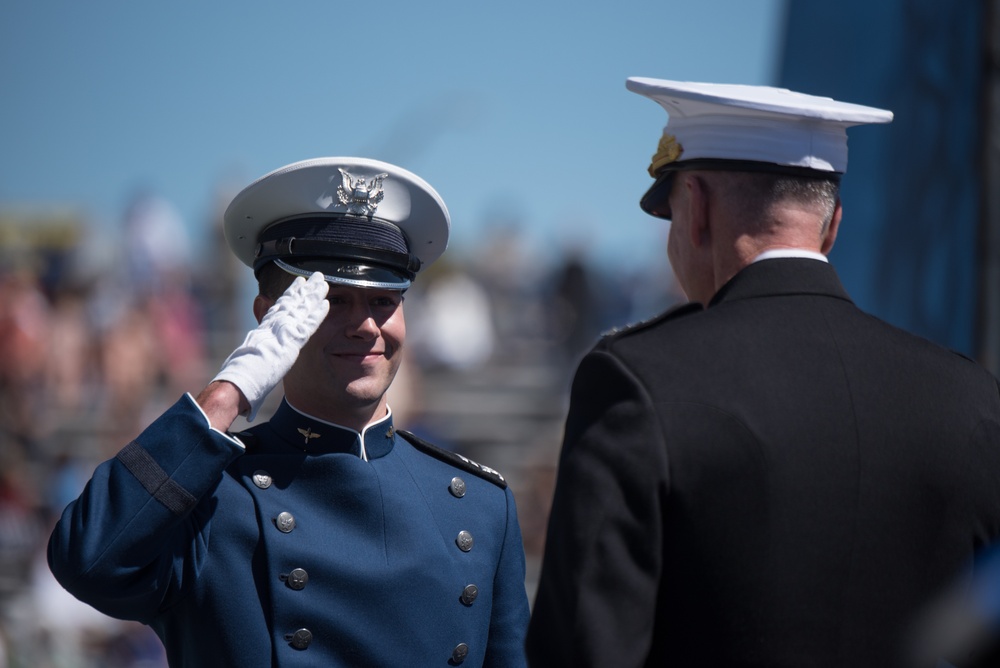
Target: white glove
[(269, 351)]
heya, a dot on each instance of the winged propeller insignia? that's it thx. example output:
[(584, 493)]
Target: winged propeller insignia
[(308, 433)]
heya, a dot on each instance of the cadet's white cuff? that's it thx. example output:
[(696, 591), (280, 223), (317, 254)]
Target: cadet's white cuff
[(208, 423)]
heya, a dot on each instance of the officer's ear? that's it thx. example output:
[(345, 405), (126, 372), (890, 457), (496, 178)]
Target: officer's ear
[(698, 201), (830, 235)]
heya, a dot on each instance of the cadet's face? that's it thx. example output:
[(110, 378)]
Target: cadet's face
[(344, 370)]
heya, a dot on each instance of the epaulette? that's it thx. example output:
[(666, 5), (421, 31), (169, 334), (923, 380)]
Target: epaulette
[(670, 314), (455, 459)]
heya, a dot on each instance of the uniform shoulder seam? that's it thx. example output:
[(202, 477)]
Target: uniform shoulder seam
[(670, 314), (455, 459)]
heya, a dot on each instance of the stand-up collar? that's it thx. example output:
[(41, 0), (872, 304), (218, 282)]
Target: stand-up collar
[(775, 253), (315, 436), (782, 276)]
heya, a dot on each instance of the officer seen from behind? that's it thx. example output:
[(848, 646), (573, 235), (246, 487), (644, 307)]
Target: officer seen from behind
[(767, 476)]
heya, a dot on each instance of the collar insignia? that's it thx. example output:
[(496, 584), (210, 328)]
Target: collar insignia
[(391, 432), (308, 433), (358, 196)]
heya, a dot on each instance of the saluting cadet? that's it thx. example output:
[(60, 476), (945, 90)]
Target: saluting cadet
[(766, 476), (327, 536)]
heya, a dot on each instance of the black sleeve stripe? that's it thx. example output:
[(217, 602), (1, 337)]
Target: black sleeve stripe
[(155, 480)]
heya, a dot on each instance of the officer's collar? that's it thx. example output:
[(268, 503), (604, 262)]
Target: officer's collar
[(782, 276), (315, 436)]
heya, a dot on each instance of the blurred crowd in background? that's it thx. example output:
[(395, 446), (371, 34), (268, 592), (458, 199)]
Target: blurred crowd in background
[(101, 332)]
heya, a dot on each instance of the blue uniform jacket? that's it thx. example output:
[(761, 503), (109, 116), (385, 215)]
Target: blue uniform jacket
[(298, 552)]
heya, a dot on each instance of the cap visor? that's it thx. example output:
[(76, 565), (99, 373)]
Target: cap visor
[(656, 201), (353, 274)]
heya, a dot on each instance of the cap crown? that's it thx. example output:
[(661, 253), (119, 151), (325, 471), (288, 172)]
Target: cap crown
[(341, 214), (754, 123)]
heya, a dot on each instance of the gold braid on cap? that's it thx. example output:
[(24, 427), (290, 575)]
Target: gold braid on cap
[(668, 151)]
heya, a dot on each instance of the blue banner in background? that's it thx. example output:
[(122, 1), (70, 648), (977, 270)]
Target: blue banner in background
[(907, 249)]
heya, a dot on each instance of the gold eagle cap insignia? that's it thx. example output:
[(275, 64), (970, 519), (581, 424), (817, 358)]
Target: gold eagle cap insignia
[(668, 150)]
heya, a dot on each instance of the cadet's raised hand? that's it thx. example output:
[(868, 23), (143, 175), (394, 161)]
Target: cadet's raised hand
[(269, 351)]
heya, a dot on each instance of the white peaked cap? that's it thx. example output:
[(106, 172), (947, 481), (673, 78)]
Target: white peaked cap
[(762, 127), (362, 222)]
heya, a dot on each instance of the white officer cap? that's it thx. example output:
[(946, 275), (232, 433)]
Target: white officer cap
[(363, 223), (747, 128)]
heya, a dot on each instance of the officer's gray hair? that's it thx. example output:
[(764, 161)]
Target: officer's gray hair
[(756, 192)]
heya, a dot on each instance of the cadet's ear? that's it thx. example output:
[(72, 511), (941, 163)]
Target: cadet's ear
[(260, 306), (830, 236)]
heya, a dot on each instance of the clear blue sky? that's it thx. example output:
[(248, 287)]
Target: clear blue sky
[(507, 108)]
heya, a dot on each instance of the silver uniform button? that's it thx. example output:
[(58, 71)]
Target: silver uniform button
[(300, 639), (460, 652), (285, 522), (262, 479), (457, 487), (297, 579), (464, 541), (469, 594)]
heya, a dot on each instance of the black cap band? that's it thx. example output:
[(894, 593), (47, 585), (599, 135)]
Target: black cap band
[(291, 248), (336, 239)]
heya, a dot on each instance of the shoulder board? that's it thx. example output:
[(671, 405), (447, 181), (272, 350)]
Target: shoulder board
[(670, 314), (455, 459)]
